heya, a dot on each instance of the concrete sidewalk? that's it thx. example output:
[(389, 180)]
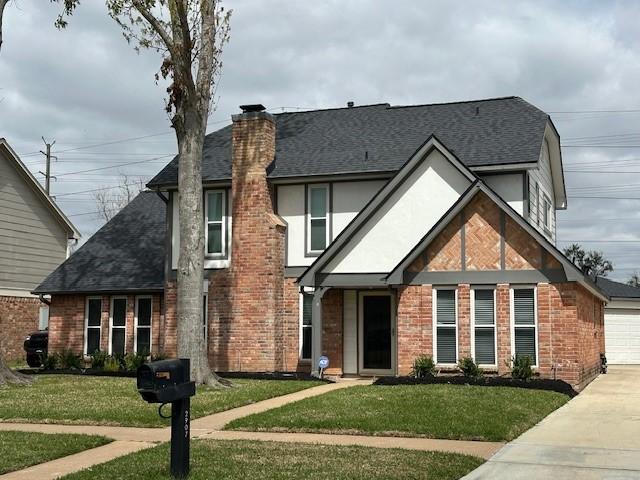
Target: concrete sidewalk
[(594, 436)]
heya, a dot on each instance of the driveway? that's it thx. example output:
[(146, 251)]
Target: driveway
[(594, 436)]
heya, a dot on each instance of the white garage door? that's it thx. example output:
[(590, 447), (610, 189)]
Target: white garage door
[(622, 335)]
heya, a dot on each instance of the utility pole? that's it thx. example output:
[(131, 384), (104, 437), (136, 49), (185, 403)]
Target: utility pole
[(47, 172)]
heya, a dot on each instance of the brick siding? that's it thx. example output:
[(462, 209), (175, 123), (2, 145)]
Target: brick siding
[(67, 323), (19, 316)]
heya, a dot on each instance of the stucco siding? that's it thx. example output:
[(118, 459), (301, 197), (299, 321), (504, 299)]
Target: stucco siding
[(32, 241), (347, 199), (510, 187), (399, 224)]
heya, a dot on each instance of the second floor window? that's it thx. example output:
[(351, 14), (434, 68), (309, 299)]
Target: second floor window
[(215, 231), (546, 212), (317, 218)]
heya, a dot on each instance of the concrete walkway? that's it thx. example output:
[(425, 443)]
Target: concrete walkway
[(594, 436), (478, 449)]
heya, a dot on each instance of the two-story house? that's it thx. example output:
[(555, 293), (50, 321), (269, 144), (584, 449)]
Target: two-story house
[(34, 240), (369, 235)]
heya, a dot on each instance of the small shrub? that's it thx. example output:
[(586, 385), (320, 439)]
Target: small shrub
[(521, 368), (49, 362), (111, 364), (134, 360), (69, 360), (470, 368), (423, 366), (98, 358)]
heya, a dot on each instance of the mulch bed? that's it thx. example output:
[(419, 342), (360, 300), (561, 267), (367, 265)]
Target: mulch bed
[(242, 375), (487, 381)]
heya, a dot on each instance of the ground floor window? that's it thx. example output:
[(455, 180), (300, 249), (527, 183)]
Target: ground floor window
[(484, 326), (143, 325), (445, 331), (93, 325), (524, 323), (305, 326), (118, 325)]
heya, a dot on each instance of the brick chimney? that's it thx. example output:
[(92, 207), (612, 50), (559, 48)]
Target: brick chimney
[(256, 340)]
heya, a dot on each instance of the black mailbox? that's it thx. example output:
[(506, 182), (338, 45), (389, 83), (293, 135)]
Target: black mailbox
[(165, 381), (169, 381)]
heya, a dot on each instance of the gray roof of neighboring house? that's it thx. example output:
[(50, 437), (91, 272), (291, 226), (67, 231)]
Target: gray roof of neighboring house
[(381, 138), (126, 254), (617, 289)]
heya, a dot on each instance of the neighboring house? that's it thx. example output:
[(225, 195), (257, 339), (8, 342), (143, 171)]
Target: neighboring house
[(621, 322), (371, 235), (34, 240)]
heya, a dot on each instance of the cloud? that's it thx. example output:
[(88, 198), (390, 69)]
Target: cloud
[(86, 86)]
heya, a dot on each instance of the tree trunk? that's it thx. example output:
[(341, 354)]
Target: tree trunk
[(9, 377), (191, 342)]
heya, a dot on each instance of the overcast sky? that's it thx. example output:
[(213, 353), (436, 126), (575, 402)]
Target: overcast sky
[(578, 61)]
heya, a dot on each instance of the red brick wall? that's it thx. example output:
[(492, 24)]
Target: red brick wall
[(570, 329), (18, 318), (503, 327), (482, 234), (66, 323), (414, 325), (332, 330), (67, 317)]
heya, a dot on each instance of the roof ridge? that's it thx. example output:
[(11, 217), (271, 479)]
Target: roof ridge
[(332, 108), (457, 102)]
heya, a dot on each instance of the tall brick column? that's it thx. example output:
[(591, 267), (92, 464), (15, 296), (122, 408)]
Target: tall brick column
[(464, 321), (256, 337), (503, 327), (414, 325)]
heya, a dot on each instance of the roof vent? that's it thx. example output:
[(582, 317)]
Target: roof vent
[(256, 107), (350, 104)]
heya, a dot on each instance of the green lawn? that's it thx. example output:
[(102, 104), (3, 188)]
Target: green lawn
[(74, 399), (460, 412), (20, 450), (239, 460)]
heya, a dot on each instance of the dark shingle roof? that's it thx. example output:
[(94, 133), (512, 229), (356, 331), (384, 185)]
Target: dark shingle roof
[(617, 289), (381, 138), (127, 254)]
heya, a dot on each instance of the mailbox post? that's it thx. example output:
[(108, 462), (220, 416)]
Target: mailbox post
[(168, 381)]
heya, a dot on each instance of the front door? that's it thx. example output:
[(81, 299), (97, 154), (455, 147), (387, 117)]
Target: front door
[(377, 333)]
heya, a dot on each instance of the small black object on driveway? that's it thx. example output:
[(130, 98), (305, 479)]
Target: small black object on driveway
[(168, 381), (36, 346)]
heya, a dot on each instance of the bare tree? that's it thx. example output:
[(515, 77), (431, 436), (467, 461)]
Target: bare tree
[(634, 281), (111, 200), (189, 35)]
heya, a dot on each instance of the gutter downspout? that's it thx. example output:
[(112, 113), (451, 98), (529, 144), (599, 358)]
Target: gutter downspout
[(44, 300)]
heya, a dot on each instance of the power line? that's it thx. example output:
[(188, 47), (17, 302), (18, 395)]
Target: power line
[(111, 166), (97, 189)]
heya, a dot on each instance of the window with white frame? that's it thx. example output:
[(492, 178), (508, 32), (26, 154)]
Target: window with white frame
[(215, 229), (93, 325), (524, 323), (306, 308), (317, 218), (446, 344), (143, 325), (484, 326), (546, 212), (118, 326)]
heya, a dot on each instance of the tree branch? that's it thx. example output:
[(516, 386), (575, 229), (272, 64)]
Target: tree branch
[(156, 25), (3, 3)]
